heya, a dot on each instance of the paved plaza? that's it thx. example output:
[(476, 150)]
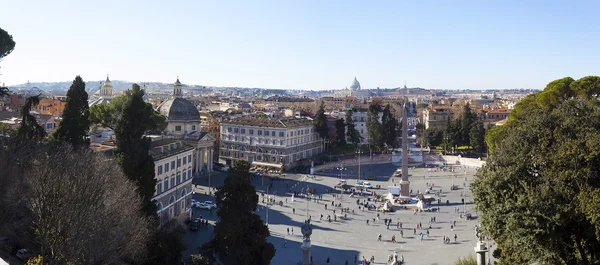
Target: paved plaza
[(342, 240)]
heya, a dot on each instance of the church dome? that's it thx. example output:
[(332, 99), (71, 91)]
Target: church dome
[(107, 89), (179, 109), (355, 85)]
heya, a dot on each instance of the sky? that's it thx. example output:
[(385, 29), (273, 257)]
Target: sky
[(304, 44)]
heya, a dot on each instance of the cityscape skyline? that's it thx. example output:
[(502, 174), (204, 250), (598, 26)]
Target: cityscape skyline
[(307, 45)]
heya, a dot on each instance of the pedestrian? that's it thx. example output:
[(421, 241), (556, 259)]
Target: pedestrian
[(294, 210), (292, 230), (454, 223), (327, 260), (288, 231), (321, 217), (401, 233), (455, 237), (414, 231), (451, 228), (346, 263), (427, 232), (367, 221)]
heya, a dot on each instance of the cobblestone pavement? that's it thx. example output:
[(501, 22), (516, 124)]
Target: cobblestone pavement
[(341, 240)]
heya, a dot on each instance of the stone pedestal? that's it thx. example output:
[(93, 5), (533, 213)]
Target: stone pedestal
[(480, 250), (305, 252)]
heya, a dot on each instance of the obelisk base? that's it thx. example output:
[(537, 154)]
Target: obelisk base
[(305, 252)]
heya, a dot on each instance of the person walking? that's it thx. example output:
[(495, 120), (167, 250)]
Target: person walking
[(288, 231), (292, 230), (327, 261), (455, 237), (293, 210)]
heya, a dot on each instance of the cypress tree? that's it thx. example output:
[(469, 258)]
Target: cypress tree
[(75, 123), (133, 148), (321, 122)]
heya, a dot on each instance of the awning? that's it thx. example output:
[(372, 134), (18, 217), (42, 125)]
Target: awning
[(263, 164)]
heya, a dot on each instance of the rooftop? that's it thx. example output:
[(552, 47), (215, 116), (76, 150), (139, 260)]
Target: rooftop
[(261, 121), (160, 149)]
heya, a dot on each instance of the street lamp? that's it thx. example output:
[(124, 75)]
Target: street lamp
[(359, 152), (341, 172)]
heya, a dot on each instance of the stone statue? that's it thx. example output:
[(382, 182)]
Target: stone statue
[(478, 232), (306, 231)]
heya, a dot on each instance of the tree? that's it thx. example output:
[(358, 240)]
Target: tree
[(477, 136), (133, 148), (351, 132), (463, 129), (30, 130), (84, 210), (240, 235), (340, 128), (540, 186), (422, 106), (389, 127), (166, 245), (199, 260), (108, 115), (7, 44), (75, 123), (374, 126), (432, 137), (321, 122)]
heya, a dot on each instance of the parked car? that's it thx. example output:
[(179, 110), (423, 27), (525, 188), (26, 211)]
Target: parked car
[(207, 205), (195, 203)]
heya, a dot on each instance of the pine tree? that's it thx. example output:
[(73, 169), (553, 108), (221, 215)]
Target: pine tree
[(75, 123), (321, 122), (240, 237), (30, 130), (374, 126), (389, 126), (340, 129), (133, 148), (351, 132)]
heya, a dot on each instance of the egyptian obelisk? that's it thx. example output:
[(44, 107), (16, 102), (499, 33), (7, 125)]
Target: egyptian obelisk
[(404, 183)]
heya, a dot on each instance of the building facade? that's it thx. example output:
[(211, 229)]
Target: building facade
[(173, 169), (269, 142), (183, 118), (436, 117)]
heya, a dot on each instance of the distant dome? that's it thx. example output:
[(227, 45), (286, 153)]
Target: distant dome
[(179, 109), (107, 83), (355, 85)]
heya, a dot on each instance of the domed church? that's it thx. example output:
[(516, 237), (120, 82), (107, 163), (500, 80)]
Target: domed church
[(106, 93), (183, 117)]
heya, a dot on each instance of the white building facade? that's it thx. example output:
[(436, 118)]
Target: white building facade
[(173, 169), (268, 142)]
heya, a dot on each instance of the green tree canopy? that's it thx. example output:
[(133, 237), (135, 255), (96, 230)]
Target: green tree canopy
[(30, 130), (340, 128), (133, 148), (321, 122), (374, 129), (351, 132), (7, 44), (538, 194), (240, 235), (75, 124), (389, 127), (107, 115)]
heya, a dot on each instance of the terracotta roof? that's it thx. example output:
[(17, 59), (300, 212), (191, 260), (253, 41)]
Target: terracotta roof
[(268, 122)]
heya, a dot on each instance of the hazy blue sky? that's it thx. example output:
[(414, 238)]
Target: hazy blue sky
[(304, 44)]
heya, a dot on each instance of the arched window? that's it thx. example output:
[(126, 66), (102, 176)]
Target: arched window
[(159, 207), (172, 200), (183, 193)]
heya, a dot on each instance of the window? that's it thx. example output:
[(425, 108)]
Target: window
[(184, 161), (158, 188), (228, 129), (166, 184), (251, 140), (236, 138), (173, 165), (172, 181), (160, 169), (259, 132), (193, 127), (236, 130), (190, 173), (178, 128), (178, 179), (251, 131), (189, 158), (166, 167), (281, 134), (282, 142), (259, 140), (243, 131), (273, 133), (267, 141)]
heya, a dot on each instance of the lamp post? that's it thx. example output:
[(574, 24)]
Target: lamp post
[(359, 152), (341, 172)]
